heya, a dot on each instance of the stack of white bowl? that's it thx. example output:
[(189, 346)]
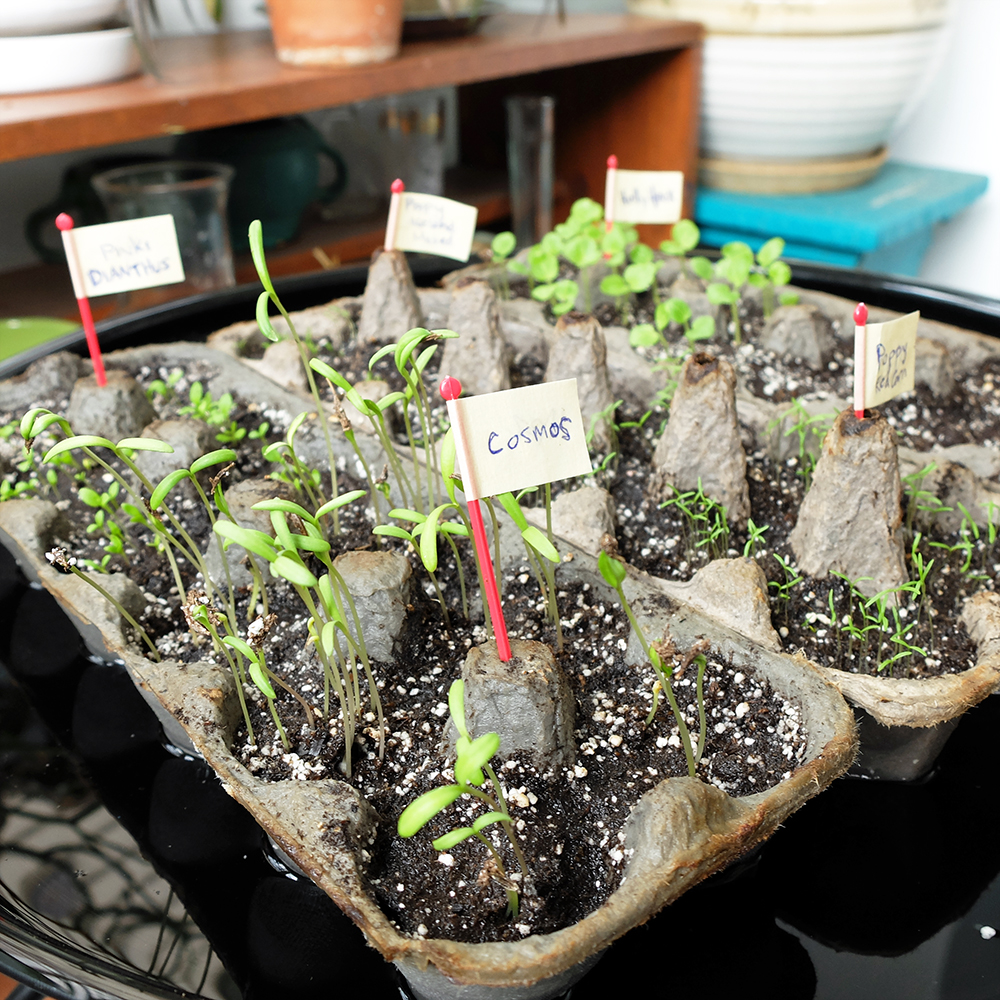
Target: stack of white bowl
[(806, 92), (57, 44)]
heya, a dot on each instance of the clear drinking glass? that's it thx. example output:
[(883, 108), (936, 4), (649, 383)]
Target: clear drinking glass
[(195, 195), (530, 157)]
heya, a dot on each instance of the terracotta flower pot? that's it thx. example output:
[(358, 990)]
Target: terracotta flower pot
[(346, 33)]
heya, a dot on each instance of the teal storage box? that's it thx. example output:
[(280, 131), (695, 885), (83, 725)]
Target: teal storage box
[(885, 225)]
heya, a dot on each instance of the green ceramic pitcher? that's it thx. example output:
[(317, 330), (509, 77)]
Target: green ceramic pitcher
[(277, 173)]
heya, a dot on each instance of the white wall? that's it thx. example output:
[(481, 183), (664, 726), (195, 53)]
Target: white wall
[(957, 127)]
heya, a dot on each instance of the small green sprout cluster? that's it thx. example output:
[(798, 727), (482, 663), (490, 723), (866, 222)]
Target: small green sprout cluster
[(703, 521), (472, 758)]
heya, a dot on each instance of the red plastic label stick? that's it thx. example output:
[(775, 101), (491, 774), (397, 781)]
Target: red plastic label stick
[(64, 223), (610, 185), (860, 351), (398, 187), (451, 389)]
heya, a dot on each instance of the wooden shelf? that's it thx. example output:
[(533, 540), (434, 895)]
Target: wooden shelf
[(623, 84), (235, 77)]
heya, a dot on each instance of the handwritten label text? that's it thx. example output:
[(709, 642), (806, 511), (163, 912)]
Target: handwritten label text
[(890, 358), (523, 437), (648, 195), (123, 256), (430, 224)]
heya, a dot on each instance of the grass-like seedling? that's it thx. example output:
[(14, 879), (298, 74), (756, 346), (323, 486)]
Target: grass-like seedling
[(783, 588), (920, 503), (755, 539), (810, 431), (472, 758), (703, 520), (614, 572)]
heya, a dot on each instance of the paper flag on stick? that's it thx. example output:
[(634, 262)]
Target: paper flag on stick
[(889, 359), (426, 223), (519, 437), (643, 196), (124, 256)]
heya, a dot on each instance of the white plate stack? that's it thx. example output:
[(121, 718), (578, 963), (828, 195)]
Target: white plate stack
[(56, 44)]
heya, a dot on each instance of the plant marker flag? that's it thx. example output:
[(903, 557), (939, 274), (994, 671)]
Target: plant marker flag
[(885, 357), (642, 196), (506, 441), (118, 257), (427, 223)]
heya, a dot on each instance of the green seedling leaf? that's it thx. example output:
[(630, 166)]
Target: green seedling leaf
[(309, 543), (757, 280), (263, 320), (428, 538), (678, 310), (282, 533), (770, 251), (473, 757), (583, 251), (586, 210), (779, 273), (291, 568), (286, 506), (423, 809), (217, 457), (341, 501), (487, 819), (166, 486), (405, 514), (542, 293), (146, 444), (640, 277), (643, 335), (702, 267), (90, 497), (641, 254), (456, 706), (257, 542), (393, 531), (538, 540), (79, 441), (452, 528), (789, 298), (380, 354), (686, 235), (513, 509), (449, 840), (256, 236), (234, 642), (259, 678), (518, 267), (293, 427), (703, 328), (720, 294), (616, 285), (503, 245), (613, 570)]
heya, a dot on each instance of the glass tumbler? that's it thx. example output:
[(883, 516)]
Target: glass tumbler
[(195, 195), (530, 157)]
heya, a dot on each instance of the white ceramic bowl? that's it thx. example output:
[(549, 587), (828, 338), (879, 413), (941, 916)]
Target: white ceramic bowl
[(800, 17), (54, 62), (50, 17), (797, 97)]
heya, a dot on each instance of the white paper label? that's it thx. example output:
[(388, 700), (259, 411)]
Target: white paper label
[(123, 256), (522, 437), (648, 196), (430, 224), (890, 358)]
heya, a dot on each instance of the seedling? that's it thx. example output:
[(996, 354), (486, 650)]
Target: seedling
[(613, 571), (755, 538), (704, 521), (472, 758), (676, 311), (501, 248), (810, 430)]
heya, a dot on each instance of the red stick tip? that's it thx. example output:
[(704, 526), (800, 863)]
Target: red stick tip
[(859, 414), (860, 314), (64, 222), (450, 388), (398, 187), (612, 162)]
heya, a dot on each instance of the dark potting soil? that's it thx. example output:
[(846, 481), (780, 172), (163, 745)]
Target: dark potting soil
[(569, 821)]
